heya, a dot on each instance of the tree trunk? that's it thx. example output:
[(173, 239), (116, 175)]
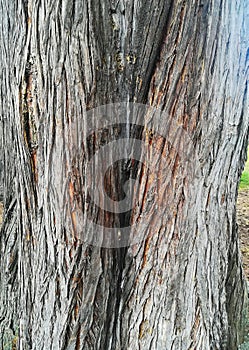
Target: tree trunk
[(181, 285)]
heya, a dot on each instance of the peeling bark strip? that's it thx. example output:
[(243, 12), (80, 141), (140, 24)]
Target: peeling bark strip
[(180, 289), (28, 122)]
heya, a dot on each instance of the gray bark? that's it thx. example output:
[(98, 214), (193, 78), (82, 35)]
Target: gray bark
[(183, 286)]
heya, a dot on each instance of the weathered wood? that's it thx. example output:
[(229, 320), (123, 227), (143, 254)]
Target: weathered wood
[(180, 288)]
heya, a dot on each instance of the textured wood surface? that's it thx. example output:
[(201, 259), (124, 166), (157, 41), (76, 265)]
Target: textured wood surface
[(182, 288)]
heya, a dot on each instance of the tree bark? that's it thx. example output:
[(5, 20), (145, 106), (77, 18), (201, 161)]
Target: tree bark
[(182, 287)]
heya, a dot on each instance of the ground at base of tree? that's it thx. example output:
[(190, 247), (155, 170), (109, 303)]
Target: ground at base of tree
[(243, 223)]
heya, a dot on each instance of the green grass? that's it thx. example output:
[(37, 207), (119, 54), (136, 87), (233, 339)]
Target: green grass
[(244, 181)]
